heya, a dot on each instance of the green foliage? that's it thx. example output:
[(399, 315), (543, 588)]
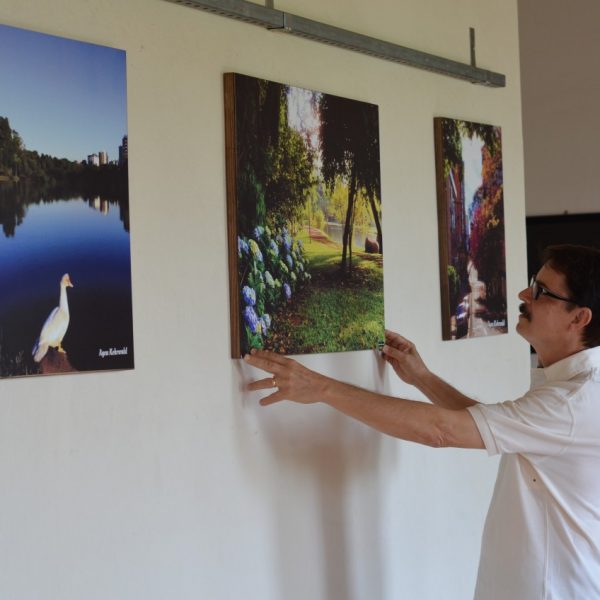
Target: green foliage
[(11, 149), (274, 161), (350, 142), (15, 365), (291, 174), (454, 286), (338, 200), (453, 130), (252, 208), (318, 219)]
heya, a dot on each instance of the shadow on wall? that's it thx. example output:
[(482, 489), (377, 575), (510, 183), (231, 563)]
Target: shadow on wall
[(325, 495)]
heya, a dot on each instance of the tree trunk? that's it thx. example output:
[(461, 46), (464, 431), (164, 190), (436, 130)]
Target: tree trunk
[(348, 223), (377, 223), (350, 242)]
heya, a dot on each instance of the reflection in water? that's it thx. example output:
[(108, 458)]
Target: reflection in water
[(100, 204), (335, 231), (46, 236), (15, 198)]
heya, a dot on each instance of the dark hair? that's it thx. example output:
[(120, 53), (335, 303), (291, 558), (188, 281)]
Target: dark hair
[(581, 267)]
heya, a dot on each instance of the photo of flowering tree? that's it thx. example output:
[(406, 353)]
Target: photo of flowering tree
[(471, 228), (304, 219)]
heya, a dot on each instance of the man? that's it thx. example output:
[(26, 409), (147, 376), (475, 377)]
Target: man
[(542, 533)]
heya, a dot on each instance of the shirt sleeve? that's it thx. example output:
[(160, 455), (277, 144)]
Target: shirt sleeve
[(539, 423)]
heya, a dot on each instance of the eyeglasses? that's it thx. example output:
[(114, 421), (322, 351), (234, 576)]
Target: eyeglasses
[(537, 290)]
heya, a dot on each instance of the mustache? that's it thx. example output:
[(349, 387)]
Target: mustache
[(523, 310)]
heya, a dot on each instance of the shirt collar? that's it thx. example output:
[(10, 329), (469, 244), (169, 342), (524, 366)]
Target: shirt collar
[(567, 368)]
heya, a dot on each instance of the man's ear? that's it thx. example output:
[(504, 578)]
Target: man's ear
[(582, 317)]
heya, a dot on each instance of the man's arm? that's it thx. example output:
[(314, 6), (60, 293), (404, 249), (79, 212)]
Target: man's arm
[(405, 419), (402, 355)]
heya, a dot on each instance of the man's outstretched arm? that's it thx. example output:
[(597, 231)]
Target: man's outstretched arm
[(405, 419)]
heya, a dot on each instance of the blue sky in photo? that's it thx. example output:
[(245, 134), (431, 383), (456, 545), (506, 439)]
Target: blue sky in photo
[(65, 98)]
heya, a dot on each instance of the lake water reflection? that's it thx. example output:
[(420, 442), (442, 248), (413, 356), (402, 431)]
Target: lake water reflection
[(335, 231), (39, 242)]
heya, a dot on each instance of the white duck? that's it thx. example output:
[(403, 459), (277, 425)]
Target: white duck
[(56, 324)]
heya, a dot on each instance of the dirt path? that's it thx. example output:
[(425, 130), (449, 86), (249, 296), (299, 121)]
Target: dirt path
[(318, 236)]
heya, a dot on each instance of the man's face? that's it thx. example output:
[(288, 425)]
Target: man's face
[(545, 322)]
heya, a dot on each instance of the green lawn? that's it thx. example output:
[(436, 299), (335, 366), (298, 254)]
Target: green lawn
[(332, 313)]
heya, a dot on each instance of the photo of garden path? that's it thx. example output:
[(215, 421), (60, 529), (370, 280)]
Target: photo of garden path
[(308, 208), (473, 244)]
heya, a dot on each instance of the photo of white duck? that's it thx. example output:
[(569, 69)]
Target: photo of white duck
[(56, 324)]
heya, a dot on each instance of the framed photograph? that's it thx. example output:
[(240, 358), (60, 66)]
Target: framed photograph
[(65, 273), (471, 228), (304, 219)]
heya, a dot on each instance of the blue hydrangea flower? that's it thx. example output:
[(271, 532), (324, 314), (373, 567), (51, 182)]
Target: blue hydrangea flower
[(258, 231), (269, 279), (242, 247), (287, 291), (290, 261), (287, 241), (274, 248), (249, 295), (252, 320), (265, 322), (255, 250)]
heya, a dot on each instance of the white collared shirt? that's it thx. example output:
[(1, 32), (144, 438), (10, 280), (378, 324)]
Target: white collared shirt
[(541, 539)]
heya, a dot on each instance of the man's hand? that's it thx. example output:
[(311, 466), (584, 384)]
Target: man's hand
[(289, 381), (402, 355)]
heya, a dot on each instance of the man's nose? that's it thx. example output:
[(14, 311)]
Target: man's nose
[(525, 295)]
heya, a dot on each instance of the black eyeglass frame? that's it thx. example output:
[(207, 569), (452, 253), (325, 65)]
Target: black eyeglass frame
[(537, 290)]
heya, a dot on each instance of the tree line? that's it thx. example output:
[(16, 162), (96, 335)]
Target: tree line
[(17, 163)]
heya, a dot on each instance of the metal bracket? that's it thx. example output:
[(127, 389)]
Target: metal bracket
[(276, 20), (472, 44)]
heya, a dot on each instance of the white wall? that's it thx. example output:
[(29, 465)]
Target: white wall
[(168, 481), (560, 66)]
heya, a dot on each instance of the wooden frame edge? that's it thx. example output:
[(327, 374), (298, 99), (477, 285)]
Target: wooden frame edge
[(231, 187), (442, 214)]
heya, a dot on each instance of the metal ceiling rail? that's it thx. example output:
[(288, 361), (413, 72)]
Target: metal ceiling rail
[(277, 20)]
